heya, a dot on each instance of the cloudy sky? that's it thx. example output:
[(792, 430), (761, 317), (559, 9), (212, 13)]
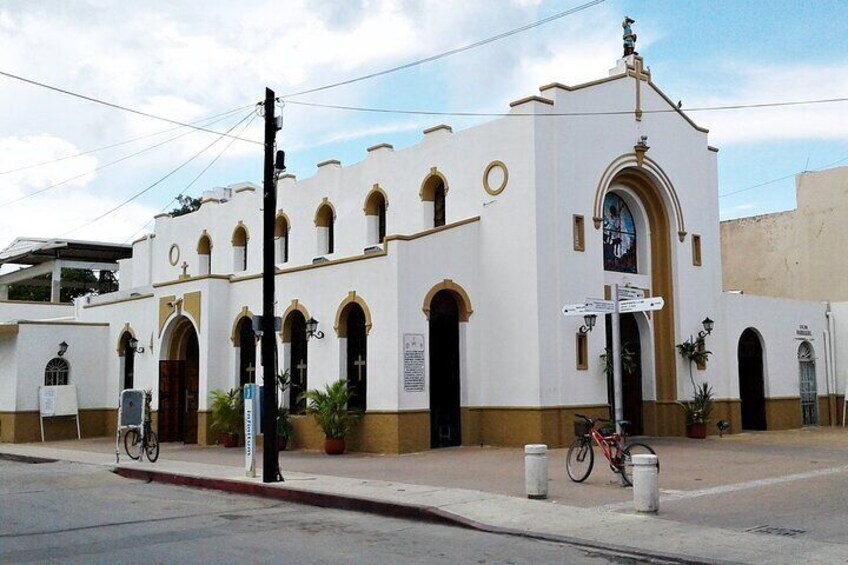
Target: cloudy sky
[(190, 61)]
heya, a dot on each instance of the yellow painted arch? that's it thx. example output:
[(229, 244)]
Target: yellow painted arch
[(463, 301), (341, 320)]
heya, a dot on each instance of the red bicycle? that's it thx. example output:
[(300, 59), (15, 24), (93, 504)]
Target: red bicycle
[(614, 446)]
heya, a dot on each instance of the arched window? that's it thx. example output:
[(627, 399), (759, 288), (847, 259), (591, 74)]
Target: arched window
[(56, 372), (281, 239), (375, 214), (324, 221), (433, 195), (204, 254), (240, 248), (620, 243), (809, 390)]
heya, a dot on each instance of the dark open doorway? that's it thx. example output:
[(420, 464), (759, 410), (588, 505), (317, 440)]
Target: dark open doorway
[(631, 371), (445, 416), (751, 385)]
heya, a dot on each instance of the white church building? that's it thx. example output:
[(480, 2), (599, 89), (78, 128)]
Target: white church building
[(437, 274)]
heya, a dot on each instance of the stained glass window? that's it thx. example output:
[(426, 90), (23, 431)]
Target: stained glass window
[(619, 236)]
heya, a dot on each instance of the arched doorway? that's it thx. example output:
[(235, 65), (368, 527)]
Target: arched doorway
[(751, 381), (294, 340), (809, 389), (247, 351), (127, 353), (179, 376), (445, 414), (631, 371), (356, 357)]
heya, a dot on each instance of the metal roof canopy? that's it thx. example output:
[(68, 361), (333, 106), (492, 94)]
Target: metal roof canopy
[(35, 251)]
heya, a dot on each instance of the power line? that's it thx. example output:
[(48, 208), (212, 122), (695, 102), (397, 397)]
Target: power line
[(117, 106), (451, 51), (564, 114), (106, 165), (194, 180), (120, 143), (161, 180), (772, 181)]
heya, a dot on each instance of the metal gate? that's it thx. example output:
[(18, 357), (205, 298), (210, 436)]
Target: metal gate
[(809, 393)]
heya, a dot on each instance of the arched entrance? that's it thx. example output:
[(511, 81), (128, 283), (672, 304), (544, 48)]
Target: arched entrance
[(809, 389), (127, 353), (179, 376), (445, 415), (295, 344), (751, 381), (353, 330), (247, 351), (631, 371)]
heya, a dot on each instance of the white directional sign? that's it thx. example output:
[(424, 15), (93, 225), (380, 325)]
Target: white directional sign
[(630, 293), (599, 306), (643, 305), (574, 310)]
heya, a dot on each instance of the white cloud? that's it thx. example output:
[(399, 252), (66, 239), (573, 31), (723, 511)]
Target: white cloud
[(757, 85)]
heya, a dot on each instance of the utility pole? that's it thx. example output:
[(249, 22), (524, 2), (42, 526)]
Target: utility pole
[(270, 463)]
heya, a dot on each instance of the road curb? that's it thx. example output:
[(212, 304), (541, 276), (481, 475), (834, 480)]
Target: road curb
[(431, 514)]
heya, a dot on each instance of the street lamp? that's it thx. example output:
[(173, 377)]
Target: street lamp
[(312, 329), (589, 321), (134, 345), (63, 348), (708, 328)]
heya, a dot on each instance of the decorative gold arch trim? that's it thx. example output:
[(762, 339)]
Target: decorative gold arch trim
[(463, 301), (177, 344), (234, 334), (318, 215), (370, 207), (204, 235), (649, 168), (126, 330), (295, 306), (427, 191), (236, 241), (284, 217), (341, 319)]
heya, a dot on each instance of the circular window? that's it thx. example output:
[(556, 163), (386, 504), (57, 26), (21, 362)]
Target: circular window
[(174, 254), (495, 178)]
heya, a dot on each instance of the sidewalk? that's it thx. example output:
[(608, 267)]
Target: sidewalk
[(711, 492)]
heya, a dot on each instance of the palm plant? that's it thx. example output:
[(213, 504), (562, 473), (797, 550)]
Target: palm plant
[(329, 406), (227, 410), (700, 408)]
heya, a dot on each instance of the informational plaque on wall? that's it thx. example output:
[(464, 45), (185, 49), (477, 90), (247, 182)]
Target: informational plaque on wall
[(413, 362)]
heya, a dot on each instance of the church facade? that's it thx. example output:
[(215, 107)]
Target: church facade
[(437, 274)]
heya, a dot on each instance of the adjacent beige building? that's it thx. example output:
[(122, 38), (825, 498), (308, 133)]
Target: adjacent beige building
[(796, 254)]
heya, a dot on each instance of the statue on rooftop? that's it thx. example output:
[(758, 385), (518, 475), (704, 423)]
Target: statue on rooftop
[(629, 37)]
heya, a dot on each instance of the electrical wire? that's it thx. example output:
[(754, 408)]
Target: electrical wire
[(120, 143), (450, 52), (109, 164), (772, 181), (117, 106), (194, 180), (161, 180), (565, 114)]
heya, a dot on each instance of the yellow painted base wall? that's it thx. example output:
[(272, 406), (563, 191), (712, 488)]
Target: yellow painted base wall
[(783, 413), (22, 427)]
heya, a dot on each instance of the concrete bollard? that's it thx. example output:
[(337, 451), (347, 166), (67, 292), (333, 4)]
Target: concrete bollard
[(536, 470), (646, 487)]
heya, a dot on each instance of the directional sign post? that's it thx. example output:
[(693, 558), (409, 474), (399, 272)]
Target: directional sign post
[(625, 300)]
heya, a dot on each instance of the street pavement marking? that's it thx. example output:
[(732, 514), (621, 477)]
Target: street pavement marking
[(674, 495)]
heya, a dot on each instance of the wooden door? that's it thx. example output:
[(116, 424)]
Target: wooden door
[(171, 379)]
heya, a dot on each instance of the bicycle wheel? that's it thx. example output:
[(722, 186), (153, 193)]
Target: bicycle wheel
[(626, 468), (579, 461), (132, 444), (152, 447)]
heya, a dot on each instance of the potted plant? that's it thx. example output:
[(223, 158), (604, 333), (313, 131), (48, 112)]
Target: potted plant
[(227, 415), (329, 406), (698, 411)]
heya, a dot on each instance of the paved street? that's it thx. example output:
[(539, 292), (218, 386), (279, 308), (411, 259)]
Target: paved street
[(74, 513)]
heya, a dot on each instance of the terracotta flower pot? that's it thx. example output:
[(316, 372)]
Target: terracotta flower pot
[(334, 446), (229, 440), (697, 430)]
